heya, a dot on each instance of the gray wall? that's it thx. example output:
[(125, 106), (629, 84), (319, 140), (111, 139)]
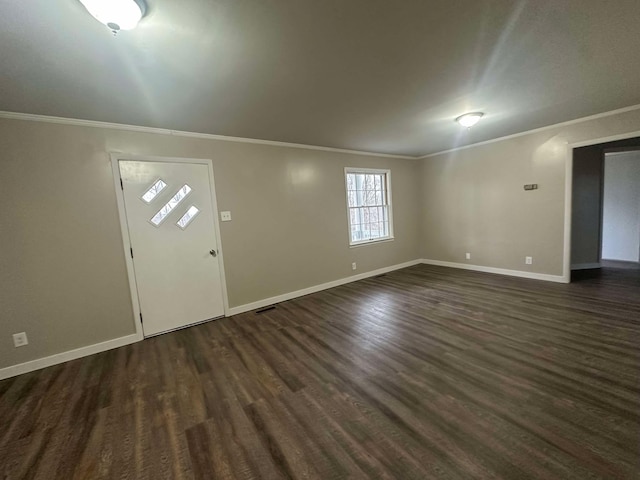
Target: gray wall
[(588, 165), (62, 269), (62, 273), (621, 207), (473, 199)]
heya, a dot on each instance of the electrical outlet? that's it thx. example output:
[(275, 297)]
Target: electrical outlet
[(353, 266), (528, 260), (225, 216), (467, 256), (20, 339)]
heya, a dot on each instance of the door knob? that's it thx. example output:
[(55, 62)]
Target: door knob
[(213, 253)]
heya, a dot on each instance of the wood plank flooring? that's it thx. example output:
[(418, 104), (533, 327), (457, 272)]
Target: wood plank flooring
[(422, 373)]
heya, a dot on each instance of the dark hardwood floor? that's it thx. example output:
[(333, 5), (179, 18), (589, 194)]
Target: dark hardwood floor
[(426, 372)]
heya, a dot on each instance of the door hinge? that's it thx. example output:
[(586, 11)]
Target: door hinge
[(131, 250), (140, 317), (121, 186)]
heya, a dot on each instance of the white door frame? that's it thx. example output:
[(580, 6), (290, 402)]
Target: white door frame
[(568, 193), (124, 228)]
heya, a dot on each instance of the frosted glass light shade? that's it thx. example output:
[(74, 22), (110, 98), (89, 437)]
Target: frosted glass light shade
[(469, 119), (115, 14)]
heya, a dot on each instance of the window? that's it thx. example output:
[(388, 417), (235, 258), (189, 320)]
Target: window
[(170, 205), (187, 217), (153, 191), (369, 205)]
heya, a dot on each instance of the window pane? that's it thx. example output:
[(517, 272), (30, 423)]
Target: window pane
[(351, 183), (353, 216), (153, 191), (373, 214), (352, 198), (188, 217), (170, 205), (371, 197), (369, 182)]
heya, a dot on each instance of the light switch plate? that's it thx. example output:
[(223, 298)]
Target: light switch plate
[(225, 216)]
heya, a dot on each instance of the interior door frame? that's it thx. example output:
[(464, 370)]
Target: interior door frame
[(124, 227), (568, 194)]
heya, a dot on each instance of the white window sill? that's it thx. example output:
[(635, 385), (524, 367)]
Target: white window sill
[(372, 242)]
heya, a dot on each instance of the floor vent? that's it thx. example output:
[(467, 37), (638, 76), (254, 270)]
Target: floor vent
[(265, 309)]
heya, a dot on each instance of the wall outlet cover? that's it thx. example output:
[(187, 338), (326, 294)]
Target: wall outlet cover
[(20, 339), (353, 266), (225, 216), (467, 256), (528, 260)]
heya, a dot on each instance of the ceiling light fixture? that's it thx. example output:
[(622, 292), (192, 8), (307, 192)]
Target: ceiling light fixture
[(116, 14), (469, 119)]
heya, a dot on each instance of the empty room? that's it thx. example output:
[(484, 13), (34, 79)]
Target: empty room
[(319, 239)]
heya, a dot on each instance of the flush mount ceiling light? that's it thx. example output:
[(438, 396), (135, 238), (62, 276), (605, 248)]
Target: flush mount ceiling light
[(469, 119), (116, 14)]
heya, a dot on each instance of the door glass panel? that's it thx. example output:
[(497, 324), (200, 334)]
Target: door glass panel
[(170, 205), (188, 217), (153, 191)]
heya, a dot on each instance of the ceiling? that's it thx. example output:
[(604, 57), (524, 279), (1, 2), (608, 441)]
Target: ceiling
[(373, 75)]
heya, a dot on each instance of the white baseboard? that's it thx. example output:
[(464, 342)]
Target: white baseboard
[(317, 288), (585, 266), (39, 363), (66, 356), (499, 271), (119, 342)]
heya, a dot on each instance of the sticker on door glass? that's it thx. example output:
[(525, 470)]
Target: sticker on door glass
[(153, 191), (188, 217), (159, 217)]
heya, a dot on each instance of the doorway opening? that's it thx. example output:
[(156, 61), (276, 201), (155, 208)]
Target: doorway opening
[(605, 222)]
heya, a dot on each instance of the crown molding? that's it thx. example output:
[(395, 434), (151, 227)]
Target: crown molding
[(536, 130), (273, 143), (179, 133)]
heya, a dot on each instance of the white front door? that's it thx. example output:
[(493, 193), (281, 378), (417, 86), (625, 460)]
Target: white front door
[(170, 218)]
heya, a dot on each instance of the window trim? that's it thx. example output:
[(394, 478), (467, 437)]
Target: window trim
[(387, 173)]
